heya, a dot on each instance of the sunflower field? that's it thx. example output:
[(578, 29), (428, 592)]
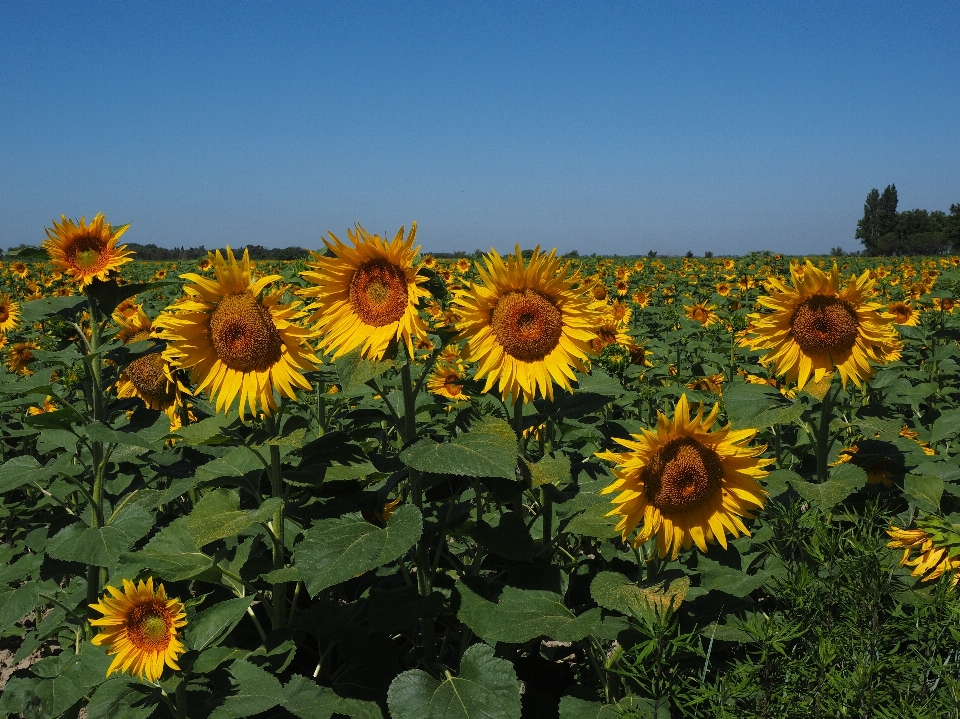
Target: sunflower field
[(375, 483)]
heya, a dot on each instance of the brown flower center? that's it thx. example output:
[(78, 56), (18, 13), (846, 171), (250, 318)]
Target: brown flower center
[(148, 376), (378, 292), (4, 313), (244, 335), (527, 325), (148, 626), (682, 474), (824, 324), (87, 253)]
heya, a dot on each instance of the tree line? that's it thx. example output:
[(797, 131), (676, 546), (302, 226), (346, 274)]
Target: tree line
[(884, 231)]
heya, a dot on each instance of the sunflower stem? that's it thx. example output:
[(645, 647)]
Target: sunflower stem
[(276, 485), (99, 459), (823, 434)]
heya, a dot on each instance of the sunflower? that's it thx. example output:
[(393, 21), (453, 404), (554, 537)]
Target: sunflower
[(20, 357), (235, 342), (701, 312), (151, 377), (48, 405), (446, 380), (525, 325), (140, 628), (9, 314), (904, 314), (641, 298), (463, 265), (816, 326), (936, 542), (20, 269), (873, 458), (711, 383), (607, 330), (688, 485), (367, 295), (86, 252)]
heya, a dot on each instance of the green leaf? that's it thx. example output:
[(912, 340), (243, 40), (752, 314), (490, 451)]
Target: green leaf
[(99, 432), (237, 463), (212, 625), (15, 604), (745, 402), (204, 431), (254, 690), (306, 699), (510, 538), (946, 425), (614, 591), (573, 708), (926, 490), (353, 371), (844, 481), (218, 515), (599, 382), (123, 698), (777, 415), (489, 449), (109, 293), (549, 470), (37, 310), (104, 545), (173, 555), (728, 580), (524, 614), (487, 688), (594, 522), (335, 550), (776, 482)]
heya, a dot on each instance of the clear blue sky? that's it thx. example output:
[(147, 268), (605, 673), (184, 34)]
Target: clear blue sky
[(609, 127)]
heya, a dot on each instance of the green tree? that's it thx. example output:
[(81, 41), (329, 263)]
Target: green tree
[(879, 219)]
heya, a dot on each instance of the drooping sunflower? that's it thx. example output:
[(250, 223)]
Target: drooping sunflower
[(140, 627), (817, 326), (526, 325), (151, 377), (9, 314), (904, 314), (687, 485), (447, 380), (366, 295), (937, 544), (86, 252), (20, 357), (701, 312), (236, 342)]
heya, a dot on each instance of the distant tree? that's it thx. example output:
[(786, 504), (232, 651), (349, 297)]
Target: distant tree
[(572, 253), (879, 218), (952, 228), (708, 254), (651, 254), (689, 254), (837, 252)]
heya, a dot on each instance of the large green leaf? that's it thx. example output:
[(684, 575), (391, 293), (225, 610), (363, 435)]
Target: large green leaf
[(334, 550), (487, 688), (122, 698), (206, 431), (594, 522), (926, 490), (213, 624), (573, 708), (218, 515), (353, 371), (254, 690), (549, 470), (36, 310), (614, 591), (306, 699), (101, 546), (173, 555), (489, 449), (524, 614), (18, 471), (510, 538), (238, 462), (99, 432), (844, 481), (946, 425), (728, 580)]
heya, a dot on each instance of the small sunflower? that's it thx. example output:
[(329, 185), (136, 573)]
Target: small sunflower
[(48, 405), (151, 377), (687, 485), (86, 252), (20, 269), (235, 342), (816, 326), (446, 380), (701, 312), (463, 265), (367, 295), (140, 628), (20, 357), (9, 314), (526, 325)]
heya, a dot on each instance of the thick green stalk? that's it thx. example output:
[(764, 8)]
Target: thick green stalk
[(97, 452), (279, 594), (823, 433)]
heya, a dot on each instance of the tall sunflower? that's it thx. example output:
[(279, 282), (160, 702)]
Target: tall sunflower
[(235, 341), (9, 314), (526, 325), (816, 325), (151, 377), (687, 485), (86, 252), (366, 295), (140, 627)]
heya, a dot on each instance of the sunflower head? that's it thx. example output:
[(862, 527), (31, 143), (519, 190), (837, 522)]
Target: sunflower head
[(236, 340), (701, 312), (20, 356), (526, 324), (817, 325), (140, 628), (936, 542), (9, 314), (366, 295), (86, 252), (686, 484)]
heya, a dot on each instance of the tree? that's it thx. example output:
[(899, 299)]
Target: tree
[(952, 227), (879, 219)]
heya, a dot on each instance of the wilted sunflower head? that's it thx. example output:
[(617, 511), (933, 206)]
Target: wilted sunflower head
[(937, 543), (20, 357), (236, 340), (816, 326), (140, 629), (367, 295), (526, 324), (9, 314), (86, 252), (686, 484)]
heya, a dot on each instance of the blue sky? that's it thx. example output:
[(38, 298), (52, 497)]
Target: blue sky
[(607, 127)]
